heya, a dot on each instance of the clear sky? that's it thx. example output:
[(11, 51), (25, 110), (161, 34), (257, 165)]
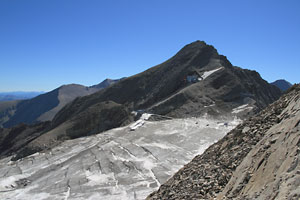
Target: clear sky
[(48, 43)]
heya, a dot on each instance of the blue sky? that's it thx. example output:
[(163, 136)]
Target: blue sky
[(48, 43)]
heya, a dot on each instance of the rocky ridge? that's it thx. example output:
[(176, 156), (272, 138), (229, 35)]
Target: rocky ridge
[(208, 174), (45, 106)]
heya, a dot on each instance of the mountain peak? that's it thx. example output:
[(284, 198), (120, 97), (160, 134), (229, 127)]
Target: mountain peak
[(282, 84), (195, 45)]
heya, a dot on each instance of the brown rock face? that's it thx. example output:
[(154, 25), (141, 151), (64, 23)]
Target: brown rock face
[(269, 171)]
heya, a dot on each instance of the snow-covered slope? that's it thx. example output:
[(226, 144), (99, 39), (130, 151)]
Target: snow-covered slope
[(118, 164)]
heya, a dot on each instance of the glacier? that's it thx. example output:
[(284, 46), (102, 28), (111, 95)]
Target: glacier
[(123, 163)]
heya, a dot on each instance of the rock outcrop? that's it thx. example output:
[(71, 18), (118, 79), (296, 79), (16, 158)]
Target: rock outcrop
[(256, 160)]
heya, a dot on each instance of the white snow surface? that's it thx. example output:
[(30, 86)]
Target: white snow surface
[(140, 122), (208, 73), (116, 164)]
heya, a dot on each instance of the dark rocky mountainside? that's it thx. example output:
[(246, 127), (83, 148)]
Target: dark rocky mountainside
[(166, 88), (257, 160), (44, 107), (282, 84), (7, 109), (13, 139), (196, 81)]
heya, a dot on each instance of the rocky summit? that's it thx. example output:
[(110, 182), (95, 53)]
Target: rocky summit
[(259, 159)]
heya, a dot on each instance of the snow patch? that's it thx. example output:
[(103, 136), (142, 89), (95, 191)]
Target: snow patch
[(140, 122), (208, 73), (68, 193), (211, 105)]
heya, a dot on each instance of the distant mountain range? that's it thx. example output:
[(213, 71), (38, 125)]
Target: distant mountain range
[(44, 107), (10, 96), (282, 84)]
